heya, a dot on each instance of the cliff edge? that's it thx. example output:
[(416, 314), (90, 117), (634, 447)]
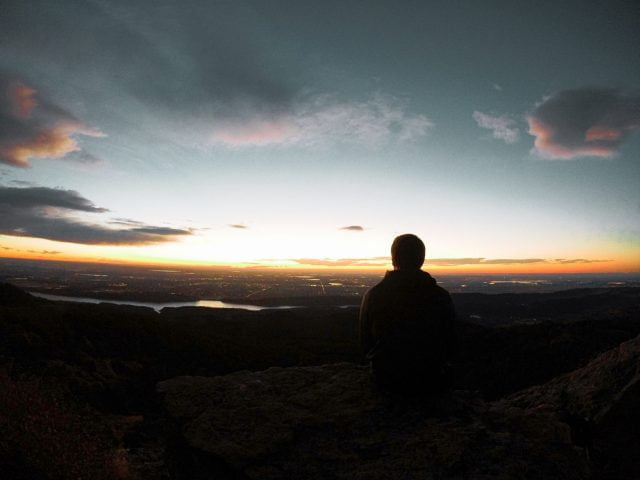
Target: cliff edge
[(330, 421)]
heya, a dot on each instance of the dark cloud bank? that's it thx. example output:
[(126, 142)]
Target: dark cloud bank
[(49, 213)]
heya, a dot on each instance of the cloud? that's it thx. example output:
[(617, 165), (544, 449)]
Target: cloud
[(510, 261), (35, 197), (496, 87), (502, 126), (49, 213), (579, 260), (324, 120), (345, 262), (31, 127), (190, 72), (438, 262), (584, 122), (238, 226), (125, 221), (23, 100), (454, 262), (192, 59), (353, 228), (23, 183), (39, 252)]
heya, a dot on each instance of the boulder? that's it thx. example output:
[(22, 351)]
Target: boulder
[(601, 402), (330, 421)]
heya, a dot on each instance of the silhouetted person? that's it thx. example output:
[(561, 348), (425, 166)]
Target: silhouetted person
[(407, 324)]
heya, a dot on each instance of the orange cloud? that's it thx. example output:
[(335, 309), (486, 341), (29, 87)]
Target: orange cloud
[(23, 99), (54, 142), (31, 127), (255, 133), (584, 122), (602, 133), (546, 144)]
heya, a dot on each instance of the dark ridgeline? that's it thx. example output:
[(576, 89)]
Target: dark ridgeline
[(89, 373)]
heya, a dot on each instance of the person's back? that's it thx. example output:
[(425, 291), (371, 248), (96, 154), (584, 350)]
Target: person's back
[(407, 324)]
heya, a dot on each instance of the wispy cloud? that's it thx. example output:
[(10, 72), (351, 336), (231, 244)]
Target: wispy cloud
[(125, 221), (199, 72), (186, 62), (579, 260), (32, 127), (454, 262), (324, 120), (238, 226), (439, 262), (344, 262), (23, 183), (502, 127), (50, 213), (584, 122), (353, 228), (37, 252)]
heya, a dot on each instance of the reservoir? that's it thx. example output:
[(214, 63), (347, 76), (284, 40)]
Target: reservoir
[(157, 306)]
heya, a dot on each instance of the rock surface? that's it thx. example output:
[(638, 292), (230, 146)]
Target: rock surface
[(331, 422), (110, 358), (602, 401)]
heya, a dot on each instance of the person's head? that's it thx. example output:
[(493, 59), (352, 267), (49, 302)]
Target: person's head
[(407, 252)]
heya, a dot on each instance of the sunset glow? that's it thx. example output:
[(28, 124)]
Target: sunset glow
[(243, 135)]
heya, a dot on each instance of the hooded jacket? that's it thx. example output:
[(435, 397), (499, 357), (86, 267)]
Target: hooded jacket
[(408, 319)]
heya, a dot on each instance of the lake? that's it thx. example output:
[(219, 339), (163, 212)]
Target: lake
[(157, 306)]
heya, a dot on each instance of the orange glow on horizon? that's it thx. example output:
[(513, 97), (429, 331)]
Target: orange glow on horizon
[(479, 269)]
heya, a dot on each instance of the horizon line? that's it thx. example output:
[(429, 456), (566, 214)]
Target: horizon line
[(474, 269)]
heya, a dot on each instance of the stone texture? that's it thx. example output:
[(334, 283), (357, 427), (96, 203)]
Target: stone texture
[(606, 394), (331, 422)]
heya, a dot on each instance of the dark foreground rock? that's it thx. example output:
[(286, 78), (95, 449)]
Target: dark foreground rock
[(102, 363), (331, 422), (601, 401)]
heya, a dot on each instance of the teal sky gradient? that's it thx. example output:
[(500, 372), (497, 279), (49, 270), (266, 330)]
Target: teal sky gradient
[(367, 109)]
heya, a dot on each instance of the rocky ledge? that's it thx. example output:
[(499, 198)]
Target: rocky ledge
[(331, 422)]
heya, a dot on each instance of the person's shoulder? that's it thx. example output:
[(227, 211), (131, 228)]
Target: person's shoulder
[(439, 292), (442, 292), (379, 291), (376, 289), (384, 283)]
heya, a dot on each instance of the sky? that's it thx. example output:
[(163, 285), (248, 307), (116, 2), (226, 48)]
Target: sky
[(309, 134)]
